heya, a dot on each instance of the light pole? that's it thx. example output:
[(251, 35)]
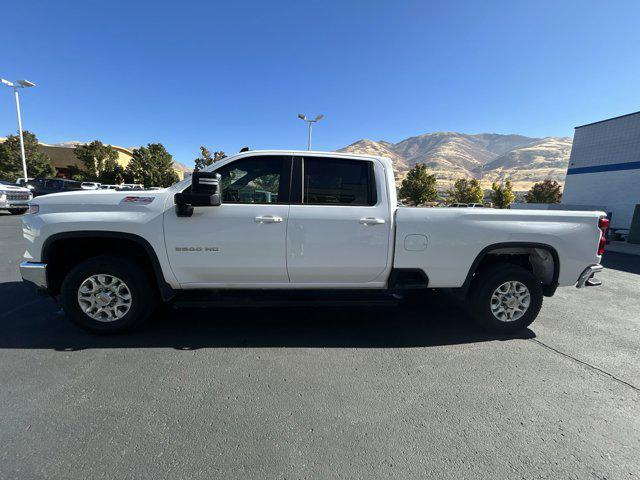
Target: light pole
[(16, 85), (310, 122)]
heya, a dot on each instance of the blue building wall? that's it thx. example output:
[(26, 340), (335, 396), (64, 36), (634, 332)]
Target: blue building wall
[(604, 167)]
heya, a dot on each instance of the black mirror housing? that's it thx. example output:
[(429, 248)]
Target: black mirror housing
[(205, 183), (204, 192), (197, 199)]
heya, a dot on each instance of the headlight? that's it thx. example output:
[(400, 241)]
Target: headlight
[(33, 209)]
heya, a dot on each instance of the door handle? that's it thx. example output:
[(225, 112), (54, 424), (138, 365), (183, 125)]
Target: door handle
[(268, 219), (372, 221)]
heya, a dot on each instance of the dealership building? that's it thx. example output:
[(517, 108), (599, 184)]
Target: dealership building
[(604, 168), (64, 160)]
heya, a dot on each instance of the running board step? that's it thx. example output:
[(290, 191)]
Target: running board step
[(255, 299)]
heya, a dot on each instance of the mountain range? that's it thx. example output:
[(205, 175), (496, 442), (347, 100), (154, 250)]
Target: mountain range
[(452, 155), (485, 156)]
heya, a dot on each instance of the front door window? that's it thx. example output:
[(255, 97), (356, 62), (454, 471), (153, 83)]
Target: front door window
[(256, 180)]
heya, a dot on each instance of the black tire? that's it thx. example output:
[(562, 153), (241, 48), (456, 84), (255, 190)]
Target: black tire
[(17, 211), (485, 284), (144, 298)]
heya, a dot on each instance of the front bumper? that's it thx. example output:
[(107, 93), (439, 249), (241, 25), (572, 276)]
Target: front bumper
[(35, 273), (12, 205), (587, 277), (12, 201)]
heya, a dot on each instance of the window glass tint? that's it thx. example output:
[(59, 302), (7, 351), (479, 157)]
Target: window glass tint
[(330, 181), (254, 180), (56, 184)]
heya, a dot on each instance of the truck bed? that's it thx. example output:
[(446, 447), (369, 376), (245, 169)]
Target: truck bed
[(445, 242)]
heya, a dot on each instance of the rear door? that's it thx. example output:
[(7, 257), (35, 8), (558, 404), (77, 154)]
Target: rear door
[(339, 223)]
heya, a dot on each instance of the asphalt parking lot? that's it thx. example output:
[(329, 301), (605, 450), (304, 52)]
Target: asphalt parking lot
[(410, 392)]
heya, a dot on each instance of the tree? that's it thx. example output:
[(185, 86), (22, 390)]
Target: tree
[(206, 158), (99, 163), (466, 191), (38, 163), (74, 173), (547, 191), (152, 166), (113, 175), (419, 186), (502, 194)]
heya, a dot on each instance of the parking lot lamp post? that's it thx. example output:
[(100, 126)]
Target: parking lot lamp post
[(16, 85), (310, 122)]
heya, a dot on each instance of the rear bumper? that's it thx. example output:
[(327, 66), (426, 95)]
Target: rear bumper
[(587, 277), (35, 273)]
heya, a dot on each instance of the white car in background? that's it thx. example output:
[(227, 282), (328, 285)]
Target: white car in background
[(14, 198), (20, 181), (90, 185), (130, 186)]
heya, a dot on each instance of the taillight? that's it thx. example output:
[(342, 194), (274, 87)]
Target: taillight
[(603, 224)]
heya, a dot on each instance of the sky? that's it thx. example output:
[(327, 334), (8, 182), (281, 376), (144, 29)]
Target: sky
[(233, 74)]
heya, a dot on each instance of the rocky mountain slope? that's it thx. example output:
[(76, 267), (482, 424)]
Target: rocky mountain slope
[(486, 156)]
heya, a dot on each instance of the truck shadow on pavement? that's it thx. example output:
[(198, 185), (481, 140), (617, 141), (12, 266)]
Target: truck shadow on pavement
[(621, 261), (39, 323)]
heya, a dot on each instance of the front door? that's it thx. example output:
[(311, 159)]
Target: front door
[(242, 241), (339, 227)]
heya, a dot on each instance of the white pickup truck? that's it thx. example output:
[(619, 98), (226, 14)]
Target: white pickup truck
[(300, 227), (14, 198)]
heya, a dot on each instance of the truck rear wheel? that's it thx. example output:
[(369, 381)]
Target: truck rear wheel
[(505, 298), (107, 294)]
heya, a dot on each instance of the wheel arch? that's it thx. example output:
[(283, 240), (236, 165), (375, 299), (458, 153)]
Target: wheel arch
[(117, 241), (549, 287)]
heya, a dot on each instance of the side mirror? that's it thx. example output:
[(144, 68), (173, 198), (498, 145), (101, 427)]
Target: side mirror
[(204, 192)]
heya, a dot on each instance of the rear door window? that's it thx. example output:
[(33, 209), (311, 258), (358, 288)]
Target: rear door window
[(337, 181), (54, 184)]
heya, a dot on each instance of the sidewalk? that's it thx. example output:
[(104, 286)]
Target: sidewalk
[(623, 247)]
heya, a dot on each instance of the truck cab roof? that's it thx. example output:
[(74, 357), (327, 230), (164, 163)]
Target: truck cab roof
[(300, 153)]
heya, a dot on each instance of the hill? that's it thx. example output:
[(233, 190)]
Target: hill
[(486, 156)]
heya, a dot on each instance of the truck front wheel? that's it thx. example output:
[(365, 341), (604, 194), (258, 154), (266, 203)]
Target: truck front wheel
[(505, 298), (107, 294)]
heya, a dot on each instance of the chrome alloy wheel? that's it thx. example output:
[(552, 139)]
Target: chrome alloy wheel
[(510, 301), (104, 298)]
